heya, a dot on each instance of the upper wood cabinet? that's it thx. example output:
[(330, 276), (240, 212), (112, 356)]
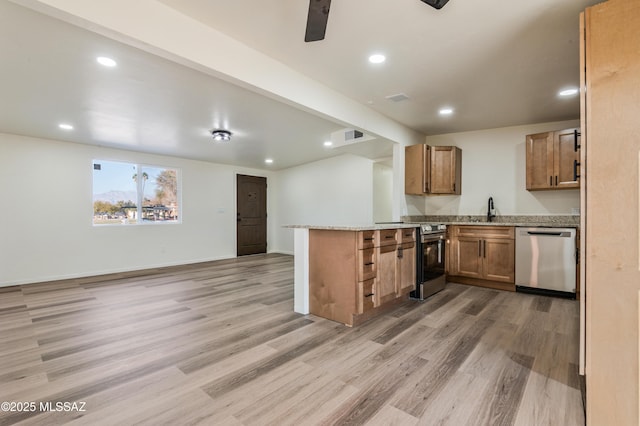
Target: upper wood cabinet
[(432, 170), (553, 160)]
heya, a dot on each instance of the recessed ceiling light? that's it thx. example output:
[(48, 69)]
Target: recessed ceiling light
[(65, 126), (445, 111), (268, 161), (568, 92), (328, 143), (377, 58), (107, 62)]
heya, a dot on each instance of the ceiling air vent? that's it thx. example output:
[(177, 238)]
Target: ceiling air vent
[(352, 134), (397, 98)]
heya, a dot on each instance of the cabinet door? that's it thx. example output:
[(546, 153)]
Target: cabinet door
[(386, 277), (565, 159), (498, 256), (365, 298), (539, 160), (416, 169), (445, 170), (406, 268), (466, 260)]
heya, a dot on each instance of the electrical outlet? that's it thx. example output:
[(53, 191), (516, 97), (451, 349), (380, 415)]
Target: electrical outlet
[(575, 210)]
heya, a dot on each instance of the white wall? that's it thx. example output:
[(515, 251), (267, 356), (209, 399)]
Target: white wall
[(46, 230), (493, 164), (334, 191), (382, 193)]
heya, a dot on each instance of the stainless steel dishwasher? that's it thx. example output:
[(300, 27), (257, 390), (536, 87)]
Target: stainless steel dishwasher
[(546, 261)]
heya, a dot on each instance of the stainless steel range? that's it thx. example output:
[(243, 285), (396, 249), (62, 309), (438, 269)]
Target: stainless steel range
[(430, 274)]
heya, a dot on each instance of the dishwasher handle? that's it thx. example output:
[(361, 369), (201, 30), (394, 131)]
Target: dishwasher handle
[(549, 233)]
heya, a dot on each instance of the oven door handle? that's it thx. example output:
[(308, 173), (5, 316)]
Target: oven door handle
[(439, 251)]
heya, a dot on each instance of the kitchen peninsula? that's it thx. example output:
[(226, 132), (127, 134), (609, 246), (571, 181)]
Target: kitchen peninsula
[(352, 273)]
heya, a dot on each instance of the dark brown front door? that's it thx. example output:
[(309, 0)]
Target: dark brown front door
[(252, 215)]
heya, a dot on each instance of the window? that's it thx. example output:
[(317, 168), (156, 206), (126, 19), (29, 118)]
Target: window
[(127, 193)]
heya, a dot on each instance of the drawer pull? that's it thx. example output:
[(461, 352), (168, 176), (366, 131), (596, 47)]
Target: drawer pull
[(369, 239), (368, 264), (368, 295), (388, 237)]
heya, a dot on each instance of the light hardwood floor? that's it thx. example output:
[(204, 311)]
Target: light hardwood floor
[(218, 344)]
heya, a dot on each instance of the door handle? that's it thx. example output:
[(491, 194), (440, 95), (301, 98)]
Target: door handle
[(238, 217), (576, 145), (484, 242), (479, 248), (576, 163), (400, 253)]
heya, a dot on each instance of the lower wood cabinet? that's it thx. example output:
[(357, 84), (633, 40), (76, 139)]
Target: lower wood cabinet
[(387, 274), (354, 275), (482, 255), (407, 268)]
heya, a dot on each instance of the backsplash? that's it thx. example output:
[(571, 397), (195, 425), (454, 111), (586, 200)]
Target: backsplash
[(569, 220)]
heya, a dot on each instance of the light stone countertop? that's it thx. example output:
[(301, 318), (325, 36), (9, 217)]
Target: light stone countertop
[(356, 227), (551, 221), (519, 224)]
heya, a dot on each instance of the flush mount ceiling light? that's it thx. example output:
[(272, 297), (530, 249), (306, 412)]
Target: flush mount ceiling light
[(568, 92), (107, 62), (65, 126), (328, 143), (377, 58), (221, 135), (445, 111), (268, 161)]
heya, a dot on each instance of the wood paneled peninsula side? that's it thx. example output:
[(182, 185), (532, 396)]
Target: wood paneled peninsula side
[(352, 273)]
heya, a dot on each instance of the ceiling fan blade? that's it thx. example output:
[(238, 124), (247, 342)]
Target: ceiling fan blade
[(436, 3), (317, 20)]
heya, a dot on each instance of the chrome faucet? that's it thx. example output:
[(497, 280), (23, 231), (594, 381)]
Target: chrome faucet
[(491, 211)]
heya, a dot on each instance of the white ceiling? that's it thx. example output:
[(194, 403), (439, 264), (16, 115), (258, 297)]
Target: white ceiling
[(498, 64)]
